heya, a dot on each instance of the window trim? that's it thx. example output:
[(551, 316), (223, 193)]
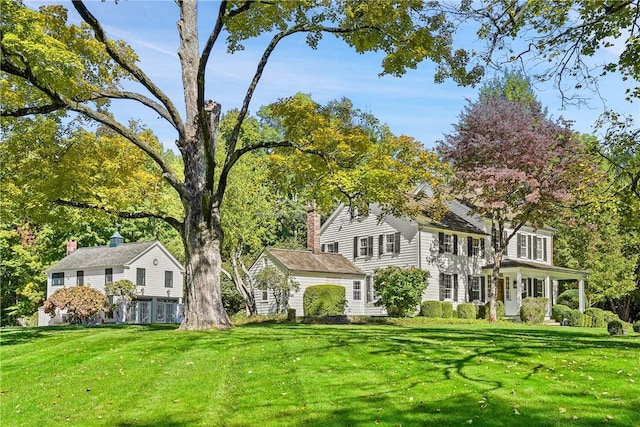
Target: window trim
[(80, 277), (475, 287), (108, 276), (447, 285), (357, 290)]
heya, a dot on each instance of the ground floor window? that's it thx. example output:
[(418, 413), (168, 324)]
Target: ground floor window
[(357, 290)]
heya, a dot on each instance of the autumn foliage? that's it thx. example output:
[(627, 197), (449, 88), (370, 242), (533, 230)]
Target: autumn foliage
[(81, 303)]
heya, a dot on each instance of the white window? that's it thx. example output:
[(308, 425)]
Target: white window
[(391, 240), (108, 275), (507, 288), (448, 243), (539, 248), (57, 279), (168, 279), (475, 289), (80, 277), (332, 247), (447, 287), (522, 246), (364, 247), (539, 284), (477, 247), (140, 276), (357, 290), (372, 295)]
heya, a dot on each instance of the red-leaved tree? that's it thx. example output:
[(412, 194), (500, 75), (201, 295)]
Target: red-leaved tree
[(81, 303), (513, 165)]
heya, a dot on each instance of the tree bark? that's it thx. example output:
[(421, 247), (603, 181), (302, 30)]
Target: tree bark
[(246, 293)]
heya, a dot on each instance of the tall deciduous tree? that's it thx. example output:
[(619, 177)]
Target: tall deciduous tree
[(514, 166), (78, 69)]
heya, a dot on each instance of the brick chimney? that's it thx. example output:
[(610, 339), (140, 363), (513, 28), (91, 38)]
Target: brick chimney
[(72, 246), (313, 228)]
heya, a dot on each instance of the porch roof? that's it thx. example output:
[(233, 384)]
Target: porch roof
[(561, 273)]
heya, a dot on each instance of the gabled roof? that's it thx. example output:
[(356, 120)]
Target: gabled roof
[(102, 256), (307, 261), (449, 221)]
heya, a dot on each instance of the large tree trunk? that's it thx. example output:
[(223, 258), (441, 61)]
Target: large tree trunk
[(203, 308)]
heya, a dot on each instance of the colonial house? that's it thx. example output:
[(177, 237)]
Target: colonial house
[(455, 250), (158, 277)]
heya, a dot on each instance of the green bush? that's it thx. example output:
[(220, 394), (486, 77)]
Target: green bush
[(609, 316), (324, 300), (447, 310), (598, 317), (400, 289), (636, 326), (586, 321), (483, 311), (570, 298), (534, 309), (431, 309), (467, 311), (574, 317), (291, 314), (559, 312), (615, 327)]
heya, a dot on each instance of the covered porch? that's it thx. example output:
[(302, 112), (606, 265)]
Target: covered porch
[(521, 279)]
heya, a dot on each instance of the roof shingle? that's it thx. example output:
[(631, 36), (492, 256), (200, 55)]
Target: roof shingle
[(101, 256), (318, 263)]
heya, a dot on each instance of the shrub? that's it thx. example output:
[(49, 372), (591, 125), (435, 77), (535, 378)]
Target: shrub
[(609, 316), (636, 326), (400, 289), (615, 327), (533, 310), (467, 311), (574, 317), (81, 303), (598, 317), (324, 300), (559, 312), (291, 314), (447, 310), (586, 321), (483, 311), (570, 298), (431, 309)]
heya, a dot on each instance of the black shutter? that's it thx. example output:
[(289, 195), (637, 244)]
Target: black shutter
[(441, 286), (396, 243), (322, 248), (441, 242), (519, 251), (370, 246), (381, 244), (335, 247), (455, 287), (506, 246), (529, 246), (469, 246), (455, 244), (535, 248), (483, 292), (469, 288), (355, 247), (544, 248)]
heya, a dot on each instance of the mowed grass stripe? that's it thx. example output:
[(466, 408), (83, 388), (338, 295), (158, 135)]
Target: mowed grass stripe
[(319, 375)]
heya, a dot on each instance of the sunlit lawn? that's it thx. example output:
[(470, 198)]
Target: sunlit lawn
[(319, 375)]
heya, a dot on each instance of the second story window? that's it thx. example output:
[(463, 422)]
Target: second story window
[(141, 274), (363, 246), (168, 279), (331, 247), (448, 243), (108, 275), (57, 279), (475, 247)]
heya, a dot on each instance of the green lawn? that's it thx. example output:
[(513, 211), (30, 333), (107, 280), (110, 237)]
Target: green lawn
[(319, 375)]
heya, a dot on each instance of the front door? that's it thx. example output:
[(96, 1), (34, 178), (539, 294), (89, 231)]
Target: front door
[(500, 296)]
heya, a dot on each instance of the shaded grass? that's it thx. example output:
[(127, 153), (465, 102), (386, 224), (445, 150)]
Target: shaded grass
[(285, 374)]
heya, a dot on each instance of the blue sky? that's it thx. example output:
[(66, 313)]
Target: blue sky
[(412, 105)]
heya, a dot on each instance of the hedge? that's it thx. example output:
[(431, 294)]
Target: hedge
[(560, 312), (615, 327), (432, 309), (570, 298), (324, 300), (636, 326), (447, 310), (467, 311), (534, 309)]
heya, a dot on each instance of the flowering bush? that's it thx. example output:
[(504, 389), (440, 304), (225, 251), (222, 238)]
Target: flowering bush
[(81, 303)]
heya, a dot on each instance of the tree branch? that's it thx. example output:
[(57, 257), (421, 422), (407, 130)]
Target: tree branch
[(122, 214), (135, 71), (134, 96)]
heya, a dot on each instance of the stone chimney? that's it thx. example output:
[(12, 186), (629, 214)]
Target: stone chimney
[(72, 246), (313, 228)]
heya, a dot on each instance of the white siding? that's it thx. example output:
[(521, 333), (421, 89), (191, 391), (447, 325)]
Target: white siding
[(154, 274)]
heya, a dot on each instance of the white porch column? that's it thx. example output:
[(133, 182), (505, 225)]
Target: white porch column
[(581, 296), (519, 291), (547, 293), (554, 292)]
